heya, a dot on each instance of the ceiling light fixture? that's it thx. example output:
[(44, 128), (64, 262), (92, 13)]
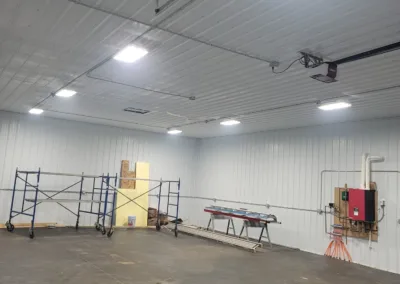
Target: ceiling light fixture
[(174, 131), (130, 54), (333, 105), (35, 111), (65, 93), (230, 122)]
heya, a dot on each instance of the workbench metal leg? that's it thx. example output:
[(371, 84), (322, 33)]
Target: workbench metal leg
[(213, 223), (266, 230), (230, 222), (241, 231), (247, 231), (209, 223), (262, 232), (227, 228)]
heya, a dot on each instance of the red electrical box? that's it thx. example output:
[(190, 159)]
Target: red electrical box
[(361, 205)]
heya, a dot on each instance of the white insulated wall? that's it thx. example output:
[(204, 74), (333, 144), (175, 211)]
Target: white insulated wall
[(29, 142), (279, 167), (283, 168)]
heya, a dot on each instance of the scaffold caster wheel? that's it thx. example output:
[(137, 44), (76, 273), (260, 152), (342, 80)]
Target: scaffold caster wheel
[(97, 226), (76, 226), (9, 226), (103, 231), (176, 233), (31, 234), (158, 227), (110, 233)]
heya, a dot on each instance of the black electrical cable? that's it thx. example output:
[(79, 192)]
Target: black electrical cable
[(383, 214), (287, 68)]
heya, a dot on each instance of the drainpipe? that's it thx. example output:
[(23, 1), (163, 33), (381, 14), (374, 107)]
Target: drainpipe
[(363, 162), (371, 159)]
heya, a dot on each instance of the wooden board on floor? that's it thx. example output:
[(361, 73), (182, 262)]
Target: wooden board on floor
[(37, 225), (342, 207)]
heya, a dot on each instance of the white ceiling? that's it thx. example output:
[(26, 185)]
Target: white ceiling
[(215, 50)]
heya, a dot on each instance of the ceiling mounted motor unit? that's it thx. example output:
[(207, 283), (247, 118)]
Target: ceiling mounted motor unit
[(325, 73)]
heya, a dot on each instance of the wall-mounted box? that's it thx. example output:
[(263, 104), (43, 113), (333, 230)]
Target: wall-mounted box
[(361, 205)]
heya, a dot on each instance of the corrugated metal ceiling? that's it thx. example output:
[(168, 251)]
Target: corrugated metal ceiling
[(217, 51)]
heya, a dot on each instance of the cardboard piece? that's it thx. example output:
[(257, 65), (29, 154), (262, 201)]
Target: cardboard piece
[(126, 173)]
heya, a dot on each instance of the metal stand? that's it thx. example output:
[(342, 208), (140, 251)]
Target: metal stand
[(263, 225), (230, 226)]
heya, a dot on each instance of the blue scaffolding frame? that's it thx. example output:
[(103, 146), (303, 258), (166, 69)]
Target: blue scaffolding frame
[(171, 195), (107, 190)]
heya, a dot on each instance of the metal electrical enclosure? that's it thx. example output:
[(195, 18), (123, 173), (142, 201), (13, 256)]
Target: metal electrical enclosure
[(362, 205)]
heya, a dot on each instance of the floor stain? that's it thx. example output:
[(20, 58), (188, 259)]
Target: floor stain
[(126, 262)]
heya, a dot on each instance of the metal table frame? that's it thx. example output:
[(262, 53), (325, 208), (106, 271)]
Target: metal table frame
[(246, 216)]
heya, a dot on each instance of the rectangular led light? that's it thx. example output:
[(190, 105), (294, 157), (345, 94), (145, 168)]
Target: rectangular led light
[(174, 131), (334, 105), (65, 93), (230, 122), (130, 54), (36, 111)]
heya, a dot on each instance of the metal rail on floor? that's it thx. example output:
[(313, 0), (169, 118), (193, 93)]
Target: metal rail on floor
[(106, 201), (220, 237)]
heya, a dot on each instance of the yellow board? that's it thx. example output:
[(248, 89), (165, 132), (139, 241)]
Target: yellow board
[(132, 209)]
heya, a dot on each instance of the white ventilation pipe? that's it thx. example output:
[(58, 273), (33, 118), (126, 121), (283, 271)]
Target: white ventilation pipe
[(370, 159), (363, 162)]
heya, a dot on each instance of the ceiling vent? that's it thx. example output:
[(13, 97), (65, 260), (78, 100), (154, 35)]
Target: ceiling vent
[(136, 110)]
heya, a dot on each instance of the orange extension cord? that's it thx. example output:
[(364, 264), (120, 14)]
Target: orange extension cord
[(337, 249)]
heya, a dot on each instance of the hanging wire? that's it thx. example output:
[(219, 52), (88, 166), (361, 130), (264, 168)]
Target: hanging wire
[(287, 68)]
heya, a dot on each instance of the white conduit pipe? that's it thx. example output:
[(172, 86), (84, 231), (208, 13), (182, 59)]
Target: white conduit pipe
[(370, 159), (363, 162)]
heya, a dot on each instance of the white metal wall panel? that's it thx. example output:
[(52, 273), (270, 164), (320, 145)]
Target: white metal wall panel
[(283, 168), (56, 145)]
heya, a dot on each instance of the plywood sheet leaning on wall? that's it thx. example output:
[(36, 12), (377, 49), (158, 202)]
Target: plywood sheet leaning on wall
[(132, 209), (126, 173), (341, 208)]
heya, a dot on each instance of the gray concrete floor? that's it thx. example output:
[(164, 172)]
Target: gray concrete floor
[(147, 256)]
